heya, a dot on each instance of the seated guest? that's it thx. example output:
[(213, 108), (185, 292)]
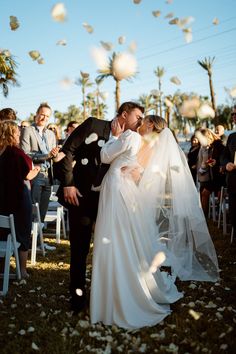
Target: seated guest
[(15, 168)]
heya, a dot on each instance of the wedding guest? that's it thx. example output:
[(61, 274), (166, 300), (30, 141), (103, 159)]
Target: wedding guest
[(7, 114), (220, 132), (55, 129), (24, 124), (15, 168), (193, 156), (208, 167), (39, 143), (228, 159), (71, 126), (79, 189)]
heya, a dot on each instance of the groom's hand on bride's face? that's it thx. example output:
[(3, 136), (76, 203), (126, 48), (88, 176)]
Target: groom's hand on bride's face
[(117, 128), (71, 195)]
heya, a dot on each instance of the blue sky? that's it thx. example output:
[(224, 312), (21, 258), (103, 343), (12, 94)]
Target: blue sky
[(158, 44)]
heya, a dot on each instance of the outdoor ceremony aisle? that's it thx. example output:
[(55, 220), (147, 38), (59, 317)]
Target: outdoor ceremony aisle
[(35, 314)]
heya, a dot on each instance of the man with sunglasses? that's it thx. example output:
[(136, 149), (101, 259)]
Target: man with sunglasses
[(229, 161)]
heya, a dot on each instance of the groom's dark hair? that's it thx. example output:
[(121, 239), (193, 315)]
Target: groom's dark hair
[(128, 107)]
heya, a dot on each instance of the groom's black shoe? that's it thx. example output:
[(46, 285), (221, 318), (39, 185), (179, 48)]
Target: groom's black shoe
[(78, 302)]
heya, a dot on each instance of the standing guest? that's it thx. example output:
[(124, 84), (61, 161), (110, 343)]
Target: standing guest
[(220, 132), (229, 161), (15, 168), (71, 127), (55, 129), (79, 186), (39, 143), (7, 114), (208, 167), (193, 156), (24, 124)]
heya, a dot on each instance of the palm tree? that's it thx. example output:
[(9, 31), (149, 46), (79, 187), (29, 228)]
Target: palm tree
[(98, 94), (159, 72), (207, 65), (84, 82), (7, 71), (146, 101), (117, 69)]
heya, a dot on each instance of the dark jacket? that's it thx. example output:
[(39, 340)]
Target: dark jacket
[(229, 156)]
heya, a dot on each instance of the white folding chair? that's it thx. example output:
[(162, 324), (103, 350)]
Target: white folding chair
[(55, 214), (7, 249), (212, 206), (36, 231), (232, 235), (223, 209)]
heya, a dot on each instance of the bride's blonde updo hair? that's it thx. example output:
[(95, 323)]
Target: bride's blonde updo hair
[(159, 123)]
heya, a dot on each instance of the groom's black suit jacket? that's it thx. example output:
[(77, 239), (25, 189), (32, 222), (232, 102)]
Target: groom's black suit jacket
[(228, 156), (85, 151)]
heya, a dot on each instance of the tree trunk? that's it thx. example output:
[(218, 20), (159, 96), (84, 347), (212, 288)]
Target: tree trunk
[(84, 103), (160, 103), (117, 95), (213, 102), (98, 113)]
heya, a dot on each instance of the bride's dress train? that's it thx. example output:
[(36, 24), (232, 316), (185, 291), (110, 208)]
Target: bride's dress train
[(125, 290)]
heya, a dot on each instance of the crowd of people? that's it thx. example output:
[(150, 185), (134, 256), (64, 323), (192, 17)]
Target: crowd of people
[(130, 176)]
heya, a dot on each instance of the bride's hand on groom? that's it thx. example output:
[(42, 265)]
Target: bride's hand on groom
[(71, 195)]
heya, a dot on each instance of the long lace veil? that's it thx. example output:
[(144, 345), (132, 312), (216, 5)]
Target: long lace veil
[(169, 196)]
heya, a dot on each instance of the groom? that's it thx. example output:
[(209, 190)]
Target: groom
[(81, 173)]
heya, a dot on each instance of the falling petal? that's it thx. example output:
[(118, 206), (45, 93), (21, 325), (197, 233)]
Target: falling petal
[(84, 161), (169, 1), (124, 66), (66, 83), (100, 57), (34, 54), (156, 13), (22, 332), (232, 92), (14, 23), (58, 12), (121, 40), (132, 47), (106, 241), (31, 329), (34, 346), (104, 95), (79, 292), (189, 107), (137, 1), (88, 28), (175, 21), (205, 111), (185, 21), (101, 143), (41, 61), (215, 21), (175, 80), (91, 138), (169, 15), (188, 36), (107, 45), (159, 258), (61, 42)]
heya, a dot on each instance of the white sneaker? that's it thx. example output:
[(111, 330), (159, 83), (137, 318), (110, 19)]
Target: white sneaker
[(49, 248)]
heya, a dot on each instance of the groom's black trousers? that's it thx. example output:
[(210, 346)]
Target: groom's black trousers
[(81, 221)]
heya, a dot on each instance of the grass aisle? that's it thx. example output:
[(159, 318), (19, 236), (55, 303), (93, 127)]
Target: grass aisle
[(35, 316)]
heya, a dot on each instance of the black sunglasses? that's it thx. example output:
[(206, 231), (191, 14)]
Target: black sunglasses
[(233, 114)]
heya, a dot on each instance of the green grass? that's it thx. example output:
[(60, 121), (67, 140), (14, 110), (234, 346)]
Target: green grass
[(38, 312)]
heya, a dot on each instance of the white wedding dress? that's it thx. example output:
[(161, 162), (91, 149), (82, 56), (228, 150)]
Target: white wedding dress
[(125, 291)]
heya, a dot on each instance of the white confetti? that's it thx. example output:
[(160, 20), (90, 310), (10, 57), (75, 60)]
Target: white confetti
[(205, 111), (79, 292), (88, 27), (106, 241), (22, 332), (107, 45), (34, 54), (175, 80), (58, 12), (91, 138), (156, 13), (124, 66), (215, 21), (62, 42), (121, 40), (194, 314), (34, 346), (31, 329), (101, 143)]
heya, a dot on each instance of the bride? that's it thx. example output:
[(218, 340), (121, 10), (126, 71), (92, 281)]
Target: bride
[(143, 220)]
